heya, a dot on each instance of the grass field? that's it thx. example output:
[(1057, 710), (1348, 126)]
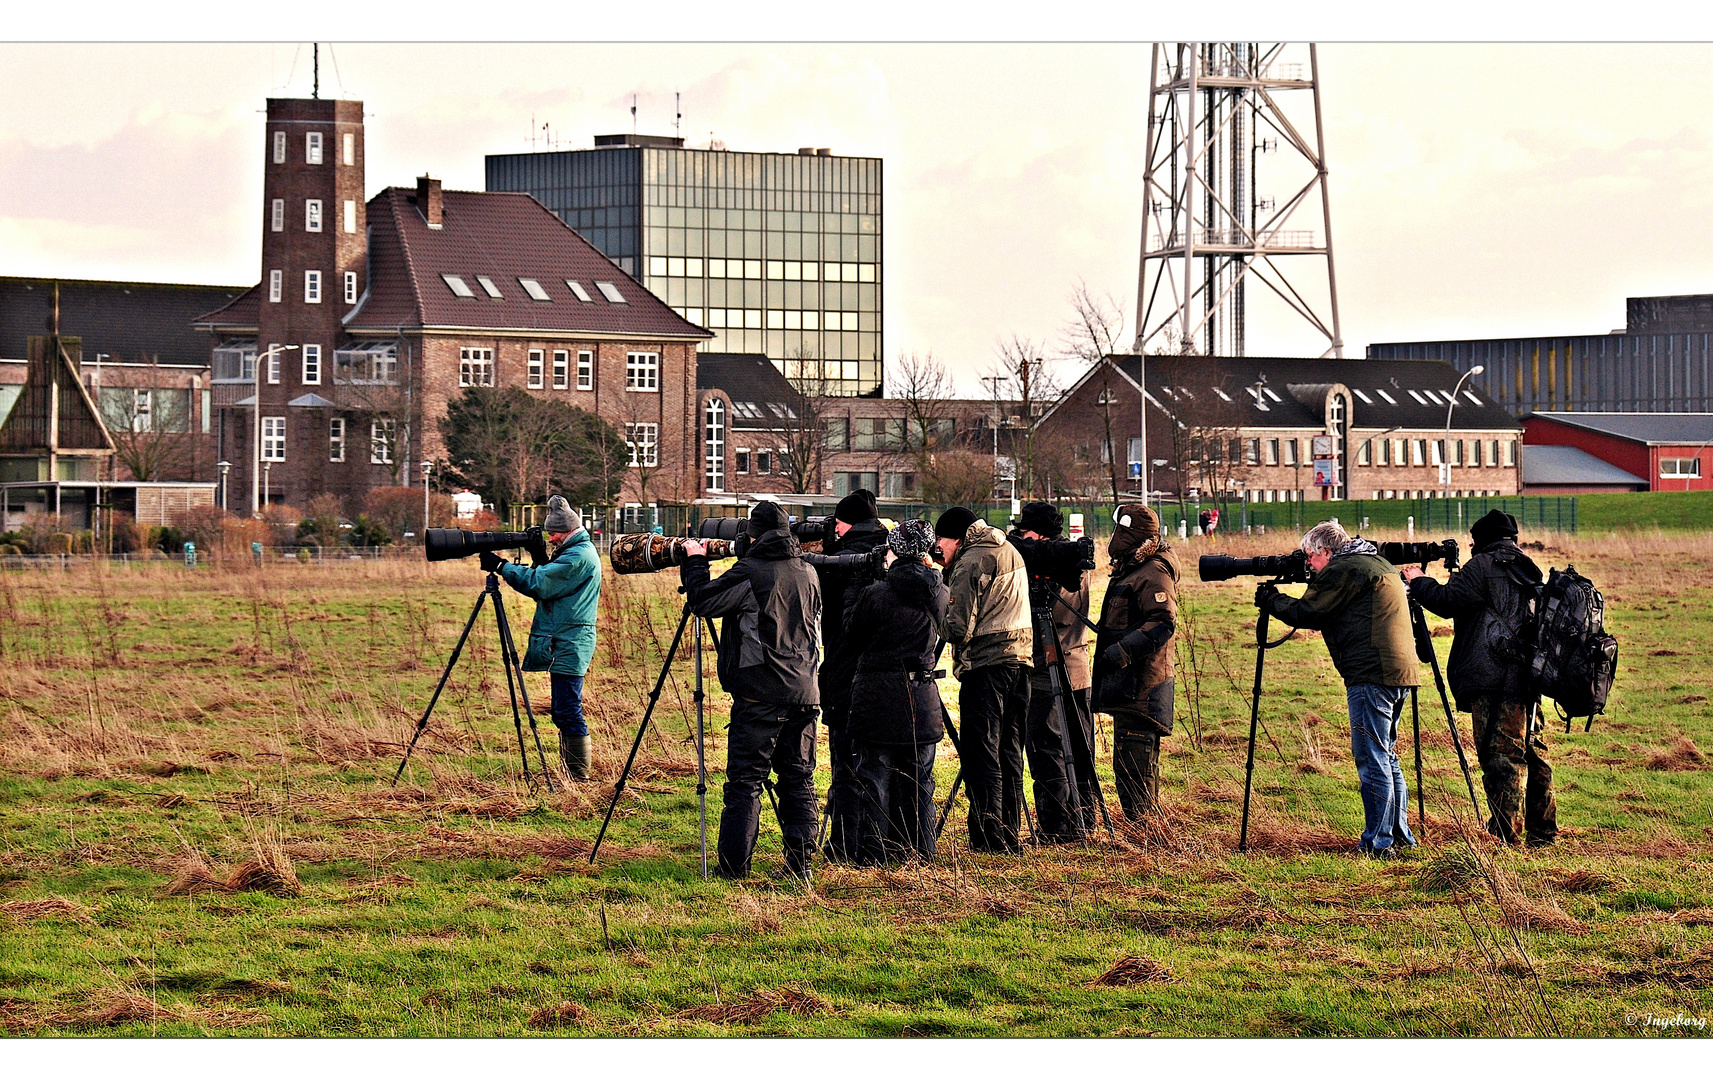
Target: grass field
[(197, 836)]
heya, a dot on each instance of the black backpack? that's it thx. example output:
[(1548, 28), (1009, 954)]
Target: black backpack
[(1574, 658)]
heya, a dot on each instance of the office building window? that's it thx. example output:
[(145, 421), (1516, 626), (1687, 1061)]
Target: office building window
[(273, 438), (642, 372), (643, 440), (585, 370), (1418, 451), (1437, 452), (312, 148), (1272, 449), (536, 362), (312, 215), (350, 215), (312, 286), (475, 367), (279, 147), (276, 285), (350, 286), (559, 365), (714, 445), (312, 365), (276, 216), (838, 433), (1365, 456), (381, 442), (350, 142), (336, 439)]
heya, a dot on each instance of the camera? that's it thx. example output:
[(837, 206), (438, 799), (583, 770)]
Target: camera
[(812, 529), (1060, 561), (645, 553), (439, 545), (1291, 568), (1420, 551)]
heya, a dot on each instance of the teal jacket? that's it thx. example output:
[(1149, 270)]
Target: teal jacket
[(567, 592)]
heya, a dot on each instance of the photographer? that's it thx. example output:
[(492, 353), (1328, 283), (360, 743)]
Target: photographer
[(855, 528), (987, 623), (1356, 600), (1043, 738), (1489, 674), (1134, 664), (768, 656), (893, 629), (567, 592)]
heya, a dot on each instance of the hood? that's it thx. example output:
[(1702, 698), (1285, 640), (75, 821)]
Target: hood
[(1505, 552), (1357, 546), (774, 544), (981, 534), (914, 582)]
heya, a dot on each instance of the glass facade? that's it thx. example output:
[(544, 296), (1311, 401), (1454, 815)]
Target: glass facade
[(779, 254)]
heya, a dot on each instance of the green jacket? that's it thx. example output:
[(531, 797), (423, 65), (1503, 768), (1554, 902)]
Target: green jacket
[(1359, 605), (987, 621), (567, 592)]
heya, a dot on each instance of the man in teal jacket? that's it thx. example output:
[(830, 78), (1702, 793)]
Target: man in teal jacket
[(567, 593)]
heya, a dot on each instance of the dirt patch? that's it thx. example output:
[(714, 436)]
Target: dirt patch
[(1134, 971), (758, 1006), (1681, 756), (564, 1014)]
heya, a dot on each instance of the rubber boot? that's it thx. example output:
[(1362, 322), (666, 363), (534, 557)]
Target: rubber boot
[(1136, 772), (576, 751), (739, 825)]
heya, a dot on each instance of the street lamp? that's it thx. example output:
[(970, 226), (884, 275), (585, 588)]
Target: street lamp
[(1368, 445), (256, 427), (267, 493), (994, 381), (427, 467), (1445, 446), (224, 467)]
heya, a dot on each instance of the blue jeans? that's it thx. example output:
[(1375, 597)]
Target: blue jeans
[(1374, 715), (568, 705)]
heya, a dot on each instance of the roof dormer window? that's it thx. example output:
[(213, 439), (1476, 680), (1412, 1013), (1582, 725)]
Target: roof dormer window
[(610, 291), (456, 284)]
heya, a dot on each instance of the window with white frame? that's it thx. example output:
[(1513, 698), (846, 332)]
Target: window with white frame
[(312, 365), (381, 441), (742, 461), (585, 370), (561, 362), (1437, 452), (279, 147), (276, 216), (1272, 453), (312, 286), (273, 353), (312, 148), (350, 215), (1510, 453), (644, 443), (475, 367), (763, 462), (273, 438), (276, 285), (350, 141), (642, 372), (336, 439), (1418, 451), (714, 445), (312, 215), (350, 286), (536, 363)]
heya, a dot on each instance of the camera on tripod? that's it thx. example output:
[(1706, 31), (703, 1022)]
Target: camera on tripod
[(1420, 551), (441, 545), (1061, 562), (1284, 569)]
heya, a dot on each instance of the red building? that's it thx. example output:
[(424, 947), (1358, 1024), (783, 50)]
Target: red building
[(1670, 450)]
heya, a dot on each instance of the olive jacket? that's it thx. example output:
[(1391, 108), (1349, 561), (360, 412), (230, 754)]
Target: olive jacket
[(567, 591), (987, 621), (1359, 606)]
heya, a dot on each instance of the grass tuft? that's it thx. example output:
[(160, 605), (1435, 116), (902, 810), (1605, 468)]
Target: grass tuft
[(1134, 971), (1682, 756), (758, 1006)]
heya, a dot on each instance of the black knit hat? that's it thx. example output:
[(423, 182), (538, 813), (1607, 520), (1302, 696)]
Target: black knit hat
[(766, 516), (1043, 518), (1495, 525), (857, 507), (954, 523)]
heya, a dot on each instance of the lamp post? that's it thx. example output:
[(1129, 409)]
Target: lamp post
[(224, 467), (256, 426), (993, 382), (1445, 446), (427, 467), (267, 493), (1368, 445)]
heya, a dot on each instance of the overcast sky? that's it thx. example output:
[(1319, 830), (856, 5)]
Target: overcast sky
[(1476, 190)]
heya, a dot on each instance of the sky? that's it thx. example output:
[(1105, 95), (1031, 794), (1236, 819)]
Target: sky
[(1476, 190)]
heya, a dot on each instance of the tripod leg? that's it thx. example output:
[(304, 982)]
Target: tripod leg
[(514, 663), (641, 729), (701, 756), (451, 661), (946, 807), (1416, 721), (1451, 722), (1261, 620), (511, 686), (1085, 762)]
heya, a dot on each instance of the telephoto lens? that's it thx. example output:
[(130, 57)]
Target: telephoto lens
[(1291, 567), (443, 544), (645, 553), (1420, 551)]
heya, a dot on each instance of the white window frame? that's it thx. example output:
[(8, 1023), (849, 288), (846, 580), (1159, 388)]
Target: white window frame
[(714, 445), (1510, 453), (336, 439), (276, 216), (643, 437), (475, 366), (312, 147), (273, 438), (276, 285), (1673, 468), (279, 147), (537, 362), (350, 286), (312, 215), (381, 441), (763, 462), (311, 365), (561, 369), (312, 286), (585, 369), (642, 372), (273, 353), (350, 148), (350, 215)]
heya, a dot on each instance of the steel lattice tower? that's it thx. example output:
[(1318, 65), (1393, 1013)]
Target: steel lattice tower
[(1214, 110)]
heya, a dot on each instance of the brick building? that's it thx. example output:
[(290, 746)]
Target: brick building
[(1664, 451), (370, 316)]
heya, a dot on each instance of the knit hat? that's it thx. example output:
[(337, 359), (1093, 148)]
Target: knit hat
[(910, 540), (765, 517), (857, 507), (1495, 525), (1135, 525), (1041, 517), (954, 523), (561, 518)]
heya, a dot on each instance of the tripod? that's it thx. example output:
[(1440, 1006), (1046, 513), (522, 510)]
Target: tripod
[(642, 729), (509, 657), (1079, 755), (1425, 651)]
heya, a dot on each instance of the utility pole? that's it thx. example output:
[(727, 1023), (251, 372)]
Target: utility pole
[(993, 382)]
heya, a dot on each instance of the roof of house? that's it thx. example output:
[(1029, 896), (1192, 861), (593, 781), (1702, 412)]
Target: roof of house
[(1654, 429), (1572, 465), (759, 393), (128, 321), (1262, 392)]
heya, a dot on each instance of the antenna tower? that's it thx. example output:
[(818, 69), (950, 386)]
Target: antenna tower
[(1214, 112)]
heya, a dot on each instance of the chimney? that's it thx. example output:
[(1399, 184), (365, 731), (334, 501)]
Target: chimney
[(428, 200)]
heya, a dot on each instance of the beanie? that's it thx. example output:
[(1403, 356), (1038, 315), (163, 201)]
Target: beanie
[(857, 507), (911, 539), (954, 523), (561, 518), (1043, 518), (1495, 525), (764, 517)]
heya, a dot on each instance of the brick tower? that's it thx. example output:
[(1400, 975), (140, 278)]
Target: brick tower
[(313, 274)]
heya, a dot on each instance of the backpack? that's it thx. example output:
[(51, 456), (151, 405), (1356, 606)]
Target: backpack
[(1574, 658)]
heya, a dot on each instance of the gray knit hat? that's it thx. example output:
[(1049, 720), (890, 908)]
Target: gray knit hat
[(910, 540), (561, 518)]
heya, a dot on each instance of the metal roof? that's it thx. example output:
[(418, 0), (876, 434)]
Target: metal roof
[(1654, 429), (755, 386), (1572, 465), (129, 321)]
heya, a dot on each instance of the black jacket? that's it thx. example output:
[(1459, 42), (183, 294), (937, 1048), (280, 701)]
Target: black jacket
[(839, 586), (770, 641), (893, 626), (1488, 609)]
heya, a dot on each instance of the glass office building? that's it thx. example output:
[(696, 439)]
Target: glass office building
[(778, 254)]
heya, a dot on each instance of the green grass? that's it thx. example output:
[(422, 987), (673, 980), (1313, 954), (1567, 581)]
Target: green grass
[(1672, 510), (150, 715)]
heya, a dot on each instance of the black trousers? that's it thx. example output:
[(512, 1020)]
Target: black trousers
[(1136, 750), (766, 738), (844, 797), (896, 787), (994, 702)]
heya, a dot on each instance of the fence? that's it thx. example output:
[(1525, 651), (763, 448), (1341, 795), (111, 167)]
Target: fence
[(282, 556), (1451, 517)]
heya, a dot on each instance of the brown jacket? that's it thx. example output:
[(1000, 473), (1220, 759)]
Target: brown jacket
[(1072, 635), (1140, 613), (987, 621)]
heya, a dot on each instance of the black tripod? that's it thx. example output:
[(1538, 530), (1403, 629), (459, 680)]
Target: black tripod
[(1425, 651), (1262, 618), (642, 729), (1079, 755), (509, 657)]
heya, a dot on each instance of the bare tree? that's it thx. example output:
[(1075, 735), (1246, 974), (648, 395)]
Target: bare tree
[(1020, 361), (802, 429), (151, 428), (925, 387), (956, 476), (1091, 336)]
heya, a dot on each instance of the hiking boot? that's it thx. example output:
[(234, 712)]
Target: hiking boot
[(576, 751), (799, 855)]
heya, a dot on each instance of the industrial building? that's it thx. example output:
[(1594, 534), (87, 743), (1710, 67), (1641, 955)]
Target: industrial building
[(1658, 451)]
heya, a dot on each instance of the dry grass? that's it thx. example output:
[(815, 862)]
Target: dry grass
[(47, 907), (269, 870), (564, 1014), (758, 1006), (1134, 971), (1682, 756)]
